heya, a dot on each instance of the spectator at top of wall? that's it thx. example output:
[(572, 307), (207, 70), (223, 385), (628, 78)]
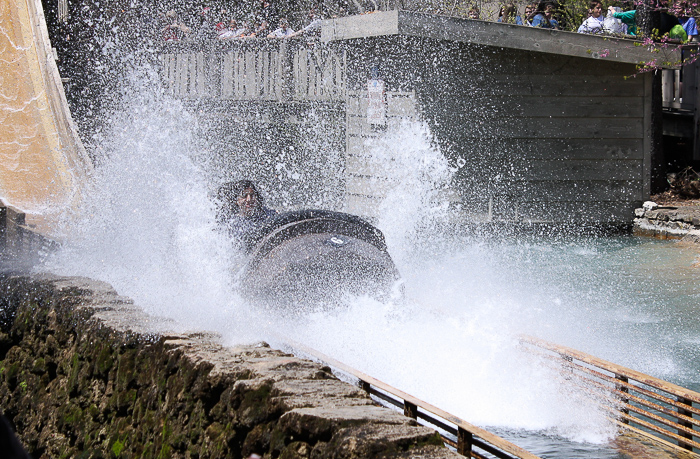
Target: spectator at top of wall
[(268, 12), (594, 22), (223, 23), (529, 14), (283, 31), (628, 18), (544, 17), (259, 28), (204, 24), (507, 14), (683, 13), (612, 25), (174, 30), (245, 29), (313, 27), (234, 30), (223, 30), (474, 12)]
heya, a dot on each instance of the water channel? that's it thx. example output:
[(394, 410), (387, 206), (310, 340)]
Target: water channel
[(452, 340)]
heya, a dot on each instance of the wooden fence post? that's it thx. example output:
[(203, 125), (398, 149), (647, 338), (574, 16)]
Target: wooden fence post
[(464, 442), (365, 386), (687, 424), (410, 410), (623, 400)]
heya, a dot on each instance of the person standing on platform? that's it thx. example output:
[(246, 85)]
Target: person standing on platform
[(283, 31), (595, 20), (545, 17), (682, 11)]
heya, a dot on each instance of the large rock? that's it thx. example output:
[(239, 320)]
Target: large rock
[(667, 222)]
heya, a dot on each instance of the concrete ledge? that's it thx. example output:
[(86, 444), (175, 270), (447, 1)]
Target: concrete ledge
[(681, 222), (85, 371), (559, 42)]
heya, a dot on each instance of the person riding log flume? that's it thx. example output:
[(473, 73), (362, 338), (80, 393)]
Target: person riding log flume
[(242, 209)]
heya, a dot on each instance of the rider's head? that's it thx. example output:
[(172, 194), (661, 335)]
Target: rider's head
[(239, 198)]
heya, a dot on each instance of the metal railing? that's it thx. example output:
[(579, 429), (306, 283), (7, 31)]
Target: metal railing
[(641, 403), (469, 440)]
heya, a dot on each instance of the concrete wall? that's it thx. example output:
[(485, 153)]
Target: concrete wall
[(84, 371), (21, 245), (536, 137), (542, 126)]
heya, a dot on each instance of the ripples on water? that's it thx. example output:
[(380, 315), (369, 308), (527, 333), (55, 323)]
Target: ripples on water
[(147, 227)]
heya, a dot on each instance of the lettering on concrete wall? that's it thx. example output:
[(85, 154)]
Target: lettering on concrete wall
[(256, 73)]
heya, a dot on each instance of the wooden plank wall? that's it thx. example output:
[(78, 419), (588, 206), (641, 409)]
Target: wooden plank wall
[(595, 126), (543, 137)]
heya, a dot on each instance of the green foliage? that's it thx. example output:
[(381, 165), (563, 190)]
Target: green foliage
[(572, 13), (105, 360), (117, 448)]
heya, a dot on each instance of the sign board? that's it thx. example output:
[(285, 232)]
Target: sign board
[(376, 108)]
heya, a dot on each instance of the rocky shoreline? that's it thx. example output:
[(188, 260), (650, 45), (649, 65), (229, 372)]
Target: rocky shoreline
[(668, 221), (86, 373)]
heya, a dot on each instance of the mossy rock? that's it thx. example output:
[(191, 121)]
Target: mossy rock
[(296, 450)]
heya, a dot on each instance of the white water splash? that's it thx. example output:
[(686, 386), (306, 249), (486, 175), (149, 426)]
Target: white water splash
[(147, 223), (148, 228), (454, 341), (418, 175)]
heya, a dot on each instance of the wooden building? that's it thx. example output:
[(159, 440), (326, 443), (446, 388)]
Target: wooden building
[(540, 125)]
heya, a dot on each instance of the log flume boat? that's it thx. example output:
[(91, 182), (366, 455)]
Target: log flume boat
[(315, 258)]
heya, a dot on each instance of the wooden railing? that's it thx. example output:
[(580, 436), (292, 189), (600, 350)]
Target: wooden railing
[(646, 405), (469, 440), (20, 245)]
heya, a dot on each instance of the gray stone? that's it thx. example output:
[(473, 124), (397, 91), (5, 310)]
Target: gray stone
[(650, 205), (692, 236)]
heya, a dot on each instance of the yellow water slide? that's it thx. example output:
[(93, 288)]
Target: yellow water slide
[(43, 164)]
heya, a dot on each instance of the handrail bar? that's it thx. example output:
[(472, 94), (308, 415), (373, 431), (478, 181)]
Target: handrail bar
[(653, 406), (641, 390), (659, 430), (657, 383), (644, 392), (620, 389), (487, 438)]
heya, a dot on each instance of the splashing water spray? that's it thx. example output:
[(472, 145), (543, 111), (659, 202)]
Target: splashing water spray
[(147, 226)]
